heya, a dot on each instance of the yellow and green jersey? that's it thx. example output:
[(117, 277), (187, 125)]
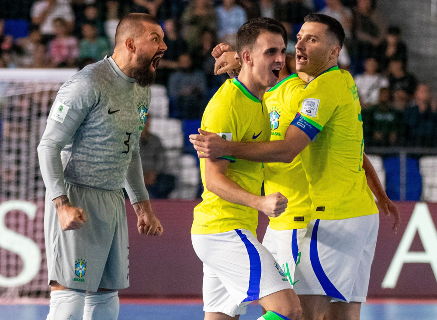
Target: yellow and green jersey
[(237, 115), (330, 114), (287, 178)]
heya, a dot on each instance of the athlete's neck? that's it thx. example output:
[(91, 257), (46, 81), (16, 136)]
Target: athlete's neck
[(319, 71), (123, 62), (252, 85)]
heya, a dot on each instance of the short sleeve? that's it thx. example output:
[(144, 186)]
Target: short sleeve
[(222, 120), (316, 106)]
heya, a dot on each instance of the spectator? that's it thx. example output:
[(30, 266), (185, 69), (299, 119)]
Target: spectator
[(92, 45), (187, 91), (369, 83), (43, 13), (154, 163), (292, 11), (392, 48), (382, 124), (368, 32), (230, 17), (64, 47), (88, 14), (420, 120), (335, 9), (28, 47), (176, 46), (197, 16), (203, 60), (161, 9), (399, 79), (112, 19)]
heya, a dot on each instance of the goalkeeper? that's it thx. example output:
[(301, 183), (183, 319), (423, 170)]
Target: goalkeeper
[(88, 153)]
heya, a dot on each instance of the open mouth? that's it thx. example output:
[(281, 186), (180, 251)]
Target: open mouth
[(155, 60), (276, 72), (301, 58)]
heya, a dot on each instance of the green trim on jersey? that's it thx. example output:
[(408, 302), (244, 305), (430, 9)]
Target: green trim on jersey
[(244, 90), (330, 69), (315, 124), (294, 75)]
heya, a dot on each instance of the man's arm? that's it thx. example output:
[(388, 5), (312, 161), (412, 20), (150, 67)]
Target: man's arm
[(210, 145), (218, 183), (384, 203)]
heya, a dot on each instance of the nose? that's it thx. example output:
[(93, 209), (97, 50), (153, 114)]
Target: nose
[(299, 45), (162, 46)]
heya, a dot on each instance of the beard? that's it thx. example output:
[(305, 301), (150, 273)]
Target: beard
[(143, 75)]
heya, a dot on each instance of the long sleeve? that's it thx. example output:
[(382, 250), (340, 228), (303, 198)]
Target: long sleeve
[(135, 187)]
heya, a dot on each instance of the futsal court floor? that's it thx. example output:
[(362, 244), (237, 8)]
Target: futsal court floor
[(164, 309)]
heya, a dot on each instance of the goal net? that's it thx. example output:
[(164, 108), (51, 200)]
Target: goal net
[(26, 97)]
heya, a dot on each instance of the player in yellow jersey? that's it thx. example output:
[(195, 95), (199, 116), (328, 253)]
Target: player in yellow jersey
[(237, 268), (338, 248)]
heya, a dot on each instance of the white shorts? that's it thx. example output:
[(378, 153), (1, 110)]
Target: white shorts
[(284, 245), (336, 258), (96, 255), (237, 270)]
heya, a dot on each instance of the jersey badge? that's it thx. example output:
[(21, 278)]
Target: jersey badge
[(59, 112), (80, 270), (274, 119), (143, 110), (225, 135), (310, 107)]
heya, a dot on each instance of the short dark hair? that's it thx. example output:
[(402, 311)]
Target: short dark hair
[(131, 25), (334, 27), (248, 33)]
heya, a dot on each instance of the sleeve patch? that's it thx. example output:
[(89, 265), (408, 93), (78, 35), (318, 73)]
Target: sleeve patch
[(225, 135), (59, 112), (310, 107), (310, 130)]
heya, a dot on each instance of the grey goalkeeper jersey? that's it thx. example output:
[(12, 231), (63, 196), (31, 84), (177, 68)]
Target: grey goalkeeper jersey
[(92, 133)]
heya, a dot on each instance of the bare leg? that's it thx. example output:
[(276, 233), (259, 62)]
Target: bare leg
[(344, 311), (284, 302), (314, 307)]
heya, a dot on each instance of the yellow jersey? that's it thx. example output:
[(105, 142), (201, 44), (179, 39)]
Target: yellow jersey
[(330, 114), (287, 178), (237, 115)]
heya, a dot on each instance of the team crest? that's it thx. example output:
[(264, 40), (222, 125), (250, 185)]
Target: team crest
[(80, 269), (143, 110), (274, 119)]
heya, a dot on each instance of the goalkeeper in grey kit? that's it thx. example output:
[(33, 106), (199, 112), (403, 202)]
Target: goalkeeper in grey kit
[(88, 153)]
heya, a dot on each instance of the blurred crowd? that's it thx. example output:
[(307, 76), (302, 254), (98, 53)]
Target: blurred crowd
[(398, 110)]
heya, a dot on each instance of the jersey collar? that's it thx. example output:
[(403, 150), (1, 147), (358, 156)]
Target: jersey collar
[(330, 69), (118, 70), (294, 75), (243, 89)]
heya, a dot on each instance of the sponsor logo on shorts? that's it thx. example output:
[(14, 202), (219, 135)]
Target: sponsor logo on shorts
[(278, 267), (80, 270)]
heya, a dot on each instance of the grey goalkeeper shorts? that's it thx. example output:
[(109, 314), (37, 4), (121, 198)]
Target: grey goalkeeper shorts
[(96, 255)]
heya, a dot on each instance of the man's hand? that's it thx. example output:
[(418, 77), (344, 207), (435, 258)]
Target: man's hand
[(209, 144), (70, 218), (389, 209), (226, 61), (147, 223), (273, 204)]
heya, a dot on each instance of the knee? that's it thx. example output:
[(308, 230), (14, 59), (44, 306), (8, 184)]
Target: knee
[(102, 305)]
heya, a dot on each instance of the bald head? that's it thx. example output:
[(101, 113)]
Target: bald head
[(131, 26)]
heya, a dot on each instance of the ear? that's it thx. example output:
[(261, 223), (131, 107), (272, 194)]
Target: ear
[(335, 51), (247, 57), (130, 45)]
